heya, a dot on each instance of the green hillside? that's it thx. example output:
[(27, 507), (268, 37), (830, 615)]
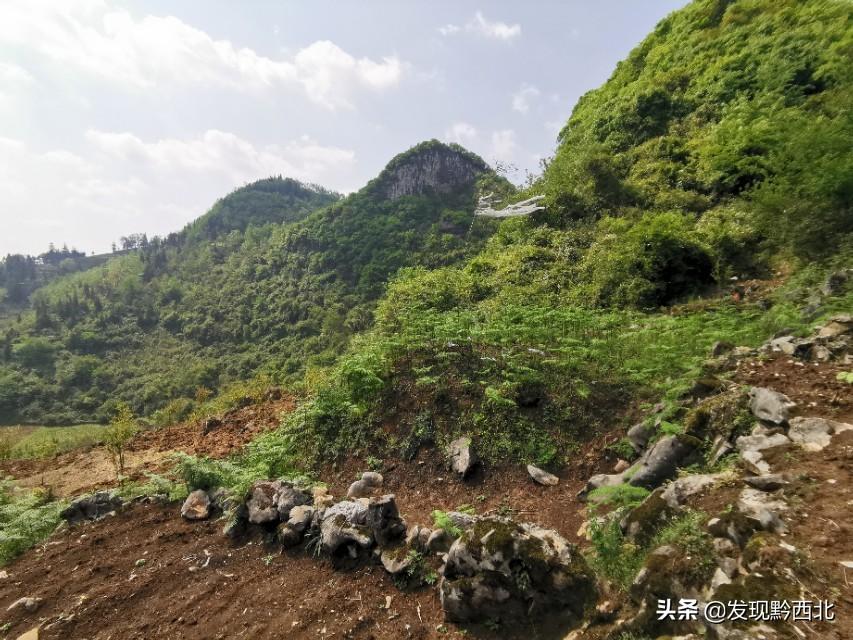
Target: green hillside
[(272, 279), (721, 148)]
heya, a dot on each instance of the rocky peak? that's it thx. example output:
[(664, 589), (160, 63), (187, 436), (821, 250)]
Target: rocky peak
[(430, 168)]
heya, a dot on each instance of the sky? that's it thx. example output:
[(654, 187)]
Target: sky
[(121, 117)]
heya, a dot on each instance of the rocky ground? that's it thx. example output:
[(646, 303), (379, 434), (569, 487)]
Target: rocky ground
[(341, 562)]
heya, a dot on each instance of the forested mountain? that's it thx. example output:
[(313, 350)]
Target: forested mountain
[(274, 276)]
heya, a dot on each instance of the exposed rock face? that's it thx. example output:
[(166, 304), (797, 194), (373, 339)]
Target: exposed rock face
[(542, 477), (272, 501), (93, 507), (344, 530), (769, 405), (462, 455), (501, 570), (815, 434), (196, 506), (661, 461), (433, 169)]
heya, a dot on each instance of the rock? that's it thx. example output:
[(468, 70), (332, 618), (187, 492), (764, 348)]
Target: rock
[(462, 455), (262, 502), (502, 571), (601, 480), (837, 326), (92, 507), (417, 537), (719, 578), (755, 462), (643, 521), (621, 465), (384, 520), (815, 434), (728, 566), (720, 348), (32, 634), (678, 491), (761, 442), (27, 603), (300, 518), (432, 169), (287, 497), (769, 482), (662, 460), (762, 510), (720, 448), (542, 477), (196, 506), (288, 536), (785, 344), (770, 406), (359, 489), (439, 541), (835, 283), (344, 532), (372, 479), (395, 561), (638, 436)]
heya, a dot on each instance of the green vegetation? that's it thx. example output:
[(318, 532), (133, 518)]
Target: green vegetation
[(26, 518), (45, 442), (118, 434)]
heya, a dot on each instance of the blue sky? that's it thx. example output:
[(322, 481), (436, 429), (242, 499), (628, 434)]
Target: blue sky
[(122, 117)]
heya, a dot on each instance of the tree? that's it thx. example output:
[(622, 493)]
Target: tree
[(118, 434)]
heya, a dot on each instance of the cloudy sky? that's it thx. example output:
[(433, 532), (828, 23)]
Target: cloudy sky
[(122, 117)]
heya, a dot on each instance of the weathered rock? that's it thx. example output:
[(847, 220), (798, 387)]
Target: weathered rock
[(359, 489), (300, 518), (500, 570), (542, 477), (26, 603), (431, 169), (837, 326), (372, 479), (720, 448), (761, 442), (759, 508), (768, 482), (439, 541), (288, 536), (621, 465), (678, 491), (462, 455), (639, 435), (262, 502), (395, 561), (815, 434), (384, 520), (644, 520), (344, 532), (287, 497), (196, 506), (662, 460), (835, 283), (770, 406), (601, 480), (729, 566), (417, 537), (92, 507)]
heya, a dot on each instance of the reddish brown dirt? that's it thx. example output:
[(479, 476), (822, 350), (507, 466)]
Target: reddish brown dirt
[(238, 427), (92, 588), (813, 386)]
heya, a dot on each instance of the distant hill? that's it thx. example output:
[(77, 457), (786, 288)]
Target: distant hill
[(275, 276)]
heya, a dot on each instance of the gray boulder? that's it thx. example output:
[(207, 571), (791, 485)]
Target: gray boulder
[(770, 406), (91, 507), (815, 434), (384, 521), (762, 510), (462, 455), (679, 491), (372, 479), (500, 570), (439, 541), (344, 532), (542, 477), (417, 537), (837, 326), (768, 482), (395, 561), (638, 436), (300, 518), (196, 506), (262, 502), (289, 496), (359, 489), (662, 460)]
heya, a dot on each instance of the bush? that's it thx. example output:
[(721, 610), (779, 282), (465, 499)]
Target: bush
[(118, 434), (26, 518)]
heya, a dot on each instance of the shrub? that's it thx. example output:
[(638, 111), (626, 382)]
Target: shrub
[(26, 518), (118, 434)]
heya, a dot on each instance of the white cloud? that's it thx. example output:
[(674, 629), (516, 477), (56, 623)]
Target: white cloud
[(480, 25), (153, 51), (503, 145), (461, 133), (521, 99), (120, 183)]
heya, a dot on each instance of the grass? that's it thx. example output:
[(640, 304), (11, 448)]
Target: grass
[(26, 518), (44, 442)]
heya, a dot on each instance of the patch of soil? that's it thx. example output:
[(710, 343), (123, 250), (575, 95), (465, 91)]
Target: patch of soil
[(81, 471), (814, 386), (235, 429), (146, 573)]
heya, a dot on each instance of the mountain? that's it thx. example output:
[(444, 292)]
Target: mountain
[(275, 277)]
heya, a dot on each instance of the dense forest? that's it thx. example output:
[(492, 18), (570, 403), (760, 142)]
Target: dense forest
[(275, 276)]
